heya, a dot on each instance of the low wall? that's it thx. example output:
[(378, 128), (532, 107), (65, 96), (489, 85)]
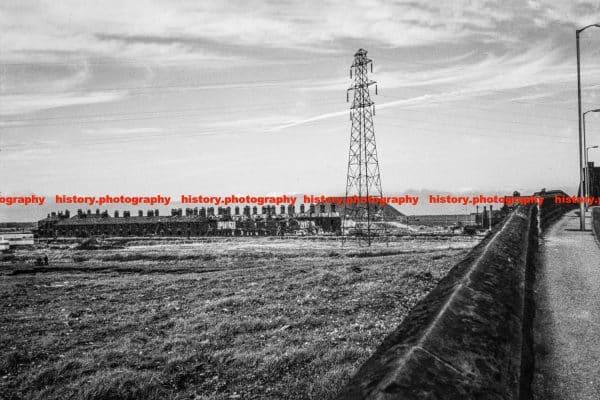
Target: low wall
[(596, 222), (470, 337)]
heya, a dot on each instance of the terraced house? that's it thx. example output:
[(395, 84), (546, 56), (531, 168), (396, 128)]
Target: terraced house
[(194, 222)]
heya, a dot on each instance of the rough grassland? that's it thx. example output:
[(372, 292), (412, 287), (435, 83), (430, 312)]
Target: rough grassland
[(219, 319)]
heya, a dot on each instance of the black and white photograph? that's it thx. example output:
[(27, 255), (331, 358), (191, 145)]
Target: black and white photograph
[(300, 200)]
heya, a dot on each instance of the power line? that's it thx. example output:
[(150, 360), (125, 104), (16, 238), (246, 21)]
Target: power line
[(159, 88), (144, 115), (502, 135), (106, 117), (196, 132), (134, 137), (486, 119), (517, 134)]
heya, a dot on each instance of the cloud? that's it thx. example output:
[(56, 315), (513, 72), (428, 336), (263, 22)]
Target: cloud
[(30, 77), (173, 29), (27, 103), (492, 48), (20, 155), (216, 33), (308, 120), (542, 64), (120, 131), (167, 29), (538, 72), (426, 99)]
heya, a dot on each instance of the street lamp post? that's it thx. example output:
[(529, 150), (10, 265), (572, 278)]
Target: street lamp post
[(587, 168), (581, 183)]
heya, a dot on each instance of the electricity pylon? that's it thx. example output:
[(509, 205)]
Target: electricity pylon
[(363, 179)]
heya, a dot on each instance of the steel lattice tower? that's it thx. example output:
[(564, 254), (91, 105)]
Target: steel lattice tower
[(363, 179)]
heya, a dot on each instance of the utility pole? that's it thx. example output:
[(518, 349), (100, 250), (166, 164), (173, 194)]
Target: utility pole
[(363, 178), (581, 182)]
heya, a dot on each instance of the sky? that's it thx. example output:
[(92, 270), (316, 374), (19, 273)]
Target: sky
[(249, 97)]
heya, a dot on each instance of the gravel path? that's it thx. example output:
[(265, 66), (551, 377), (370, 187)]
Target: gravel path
[(567, 324)]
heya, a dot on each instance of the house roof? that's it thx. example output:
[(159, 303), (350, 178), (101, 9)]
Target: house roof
[(107, 220), (555, 192)]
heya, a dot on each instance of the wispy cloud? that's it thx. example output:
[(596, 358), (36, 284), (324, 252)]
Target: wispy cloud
[(120, 131), (307, 120), (214, 33), (23, 104), (426, 99), (162, 29), (540, 72)]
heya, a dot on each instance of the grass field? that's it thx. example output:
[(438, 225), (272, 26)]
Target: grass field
[(213, 319)]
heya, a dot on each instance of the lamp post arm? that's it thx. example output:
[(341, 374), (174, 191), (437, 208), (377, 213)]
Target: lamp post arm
[(578, 31)]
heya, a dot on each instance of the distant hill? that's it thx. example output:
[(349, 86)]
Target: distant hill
[(390, 212)]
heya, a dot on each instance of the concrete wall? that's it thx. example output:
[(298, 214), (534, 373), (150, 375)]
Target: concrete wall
[(469, 338)]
